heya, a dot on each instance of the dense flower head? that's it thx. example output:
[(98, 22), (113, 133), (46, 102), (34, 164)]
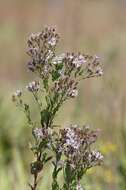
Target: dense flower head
[(47, 37), (76, 145), (96, 158), (81, 64), (66, 86), (42, 133), (41, 48)]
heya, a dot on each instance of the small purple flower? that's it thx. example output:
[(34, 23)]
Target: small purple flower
[(74, 93), (50, 54), (31, 66), (42, 133), (79, 60), (99, 71), (33, 86), (38, 133), (18, 93), (52, 41), (95, 158), (79, 187), (97, 155)]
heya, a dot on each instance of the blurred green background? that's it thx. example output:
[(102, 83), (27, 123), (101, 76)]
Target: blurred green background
[(90, 26)]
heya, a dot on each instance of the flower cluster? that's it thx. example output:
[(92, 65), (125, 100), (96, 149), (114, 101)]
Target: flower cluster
[(76, 145), (42, 133), (66, 87), (64, 70), (79, 187), (74, 155), (70, 149), (95, 158), (16, 95), (41, 48), (33, 86), (78, 65)]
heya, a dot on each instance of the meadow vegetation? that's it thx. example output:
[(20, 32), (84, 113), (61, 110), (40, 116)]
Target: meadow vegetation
[(98, 26)]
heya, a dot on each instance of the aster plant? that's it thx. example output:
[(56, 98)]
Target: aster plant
[(68, 149)]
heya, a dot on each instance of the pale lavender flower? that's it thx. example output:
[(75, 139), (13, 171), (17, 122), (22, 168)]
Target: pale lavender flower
[(70, 56), (52, 41), (76, 144), (31, 66), (95, 158), (61, 72), (71, 139), (50, 54), (74, 93), (33, 86), (42, 133), (99, 71), (34, 36), (97, 155), (18, 93), (79, 61), (79, 187), (38, 133)]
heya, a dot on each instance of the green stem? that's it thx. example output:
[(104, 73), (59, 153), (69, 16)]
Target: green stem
[(37, 100)]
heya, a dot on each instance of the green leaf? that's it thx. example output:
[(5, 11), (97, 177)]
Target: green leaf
[(26, 107), (36, 167), (68, 173), (49, 158), (43, 144), (45, 117), (45, 83), (55, 75), (59, 66), (58, 170), (55, 185)]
